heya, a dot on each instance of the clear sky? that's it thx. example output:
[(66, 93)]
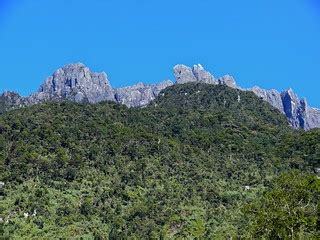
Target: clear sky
[(270, 43)]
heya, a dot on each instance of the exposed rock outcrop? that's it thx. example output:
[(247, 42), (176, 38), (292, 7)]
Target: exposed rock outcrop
[(299, 113), (227, 80), (202, 75), (313, 118), (295, 109), (77, 83), (271, 96), (10, 100), (140, 94), (184, 74)]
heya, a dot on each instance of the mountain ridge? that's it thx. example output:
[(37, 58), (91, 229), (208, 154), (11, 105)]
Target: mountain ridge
[(76, 82)]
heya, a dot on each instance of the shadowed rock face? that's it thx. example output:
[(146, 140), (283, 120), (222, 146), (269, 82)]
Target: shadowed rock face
[(75, 82), (295, 109)]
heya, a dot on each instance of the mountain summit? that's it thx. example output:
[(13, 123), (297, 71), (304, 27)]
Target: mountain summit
[(76, 82)]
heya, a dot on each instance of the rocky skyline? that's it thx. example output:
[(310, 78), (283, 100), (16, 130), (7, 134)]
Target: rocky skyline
[(76, 82)]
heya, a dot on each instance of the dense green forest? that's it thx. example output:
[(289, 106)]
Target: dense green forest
[(200, 162)]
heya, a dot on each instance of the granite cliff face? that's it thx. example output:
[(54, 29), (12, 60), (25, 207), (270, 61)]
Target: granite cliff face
[(295, 109), (75, 82), (271, 96)]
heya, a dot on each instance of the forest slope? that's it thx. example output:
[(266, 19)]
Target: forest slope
[(194, 163)]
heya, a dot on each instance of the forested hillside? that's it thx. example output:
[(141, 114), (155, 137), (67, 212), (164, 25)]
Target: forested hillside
[(200, 162)]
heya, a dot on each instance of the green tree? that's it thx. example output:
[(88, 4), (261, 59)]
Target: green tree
[(290, 210)]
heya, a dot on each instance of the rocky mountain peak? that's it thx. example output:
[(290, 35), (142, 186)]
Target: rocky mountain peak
[(184, 74), (75, 82), (202, 75), (227, 80)]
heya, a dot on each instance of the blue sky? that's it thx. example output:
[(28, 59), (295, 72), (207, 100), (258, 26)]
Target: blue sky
[(270, 43)]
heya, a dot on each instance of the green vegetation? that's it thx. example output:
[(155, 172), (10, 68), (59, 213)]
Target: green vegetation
[(289, 210), (200, 162)]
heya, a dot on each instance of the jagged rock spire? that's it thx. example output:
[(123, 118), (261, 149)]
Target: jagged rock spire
[(295, 109)]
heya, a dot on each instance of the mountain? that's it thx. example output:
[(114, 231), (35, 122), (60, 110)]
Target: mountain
[(201, 161), (75, 82)]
